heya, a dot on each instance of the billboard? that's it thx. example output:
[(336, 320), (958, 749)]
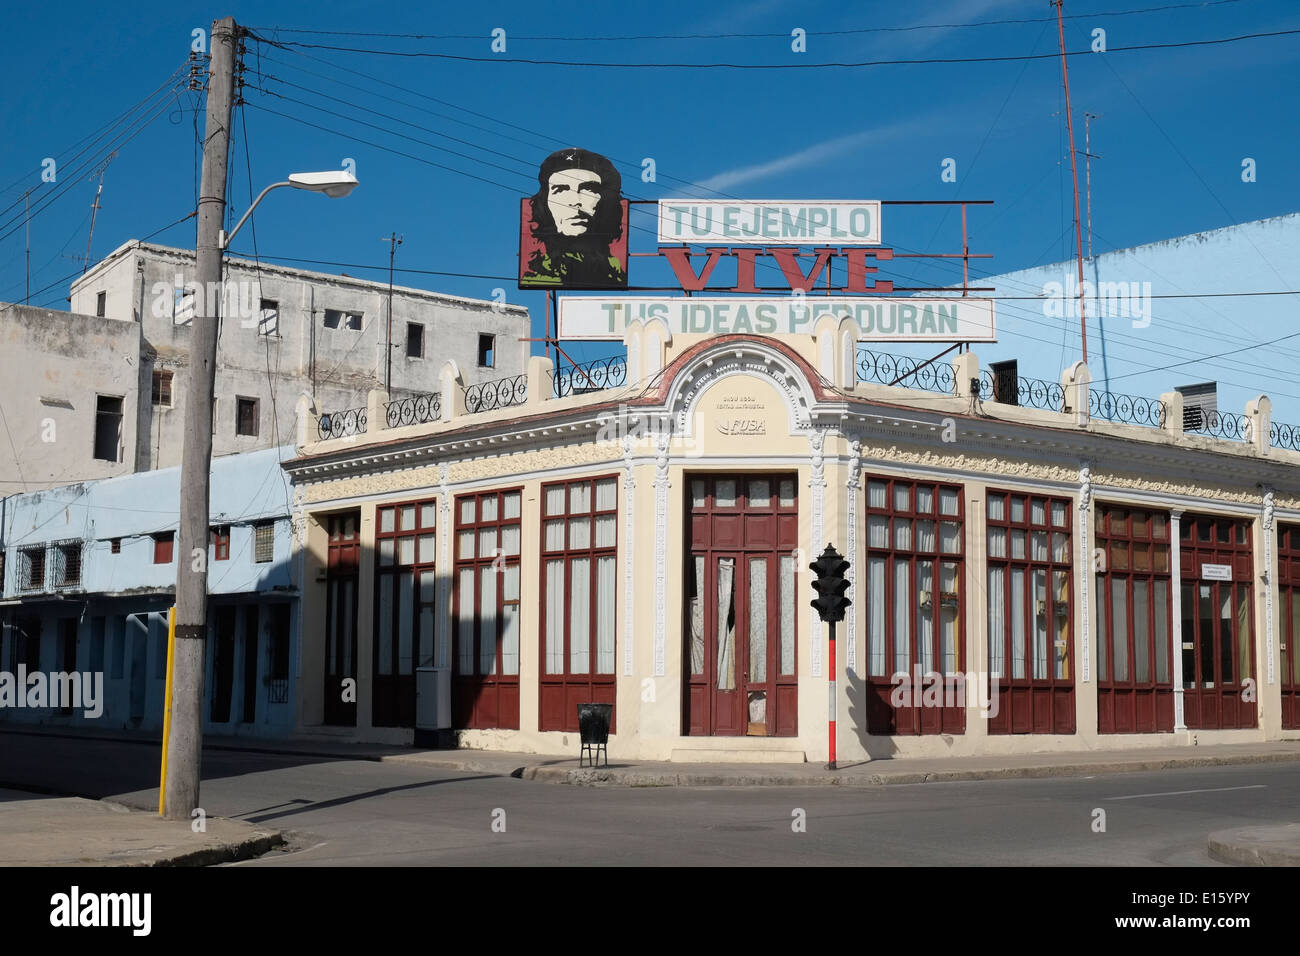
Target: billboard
[(573, 230), (770, 222), (938, 319)]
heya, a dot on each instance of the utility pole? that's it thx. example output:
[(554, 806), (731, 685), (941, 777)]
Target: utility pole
[(1074, 171), (185, 741), (1088, 157), (393, 240)]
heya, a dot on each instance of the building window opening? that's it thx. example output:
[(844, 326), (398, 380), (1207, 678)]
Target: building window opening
[(108, 428), (486, 350), (414, 340)]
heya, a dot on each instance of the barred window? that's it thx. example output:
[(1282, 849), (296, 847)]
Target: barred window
[(31, 569), (67, 564), (264, 541)]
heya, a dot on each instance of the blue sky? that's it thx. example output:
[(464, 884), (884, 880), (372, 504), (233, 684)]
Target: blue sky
[(1174, 125)]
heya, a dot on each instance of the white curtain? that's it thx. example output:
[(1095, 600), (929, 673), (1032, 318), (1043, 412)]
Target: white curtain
[(1141, 631), (758, 620), (1040, 624), (948, 617), (487, 652), (606, 531), (726, 628), (876, 494), (997, 620), (580, 616), (1162, 631), (925, 536), (787, 615), (555, 500), (510, 539), (1119, 628), (876, 597), (465, 616), (554, 531), (697, 619), (902, 624), (607, 495), (925, 615), (579, 498), (512, 505), (555, 617), (605, 589), (1017, 623), (510, 639), (405, 621)]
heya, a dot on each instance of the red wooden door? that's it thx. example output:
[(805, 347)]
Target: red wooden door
[(739, 648), (341, 618), (1288, 540)]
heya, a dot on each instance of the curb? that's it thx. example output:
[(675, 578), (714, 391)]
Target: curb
[(253, 846), (1257, 846)]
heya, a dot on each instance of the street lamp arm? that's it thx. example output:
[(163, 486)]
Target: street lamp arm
[(227, 238)]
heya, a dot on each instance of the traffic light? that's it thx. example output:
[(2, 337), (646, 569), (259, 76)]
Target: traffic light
[(830, 585)]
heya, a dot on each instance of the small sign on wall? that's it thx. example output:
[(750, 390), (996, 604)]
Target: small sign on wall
[(1216, 572)]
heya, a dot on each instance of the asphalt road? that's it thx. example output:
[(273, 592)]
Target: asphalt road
[(342, 812)]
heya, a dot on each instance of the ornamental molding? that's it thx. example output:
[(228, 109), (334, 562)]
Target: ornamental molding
[(854, 477), (662, 441), (751, 360), (629, 554)]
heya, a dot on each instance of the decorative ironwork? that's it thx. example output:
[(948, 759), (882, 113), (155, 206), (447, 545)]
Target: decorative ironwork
[(904, 372), (503, 393), (589, 376), (341, 424), (279, 692), (1284, 436), (1127, 409), (413, 411), (1214, 423), (1030, 392)]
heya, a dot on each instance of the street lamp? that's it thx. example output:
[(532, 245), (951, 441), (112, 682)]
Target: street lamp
[(334, 183)]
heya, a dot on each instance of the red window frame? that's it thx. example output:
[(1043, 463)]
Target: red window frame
[(1288, 566), (406, 545), (896, 547), (561, 691), (1137, 550), (1030, 702), (485, 700), (1216, 703), (221, 543), (163, 547)]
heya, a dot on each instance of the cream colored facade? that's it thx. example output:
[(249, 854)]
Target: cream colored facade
[(762, 404)]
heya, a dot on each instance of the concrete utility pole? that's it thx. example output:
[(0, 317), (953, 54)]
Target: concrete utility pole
[(185, 743)]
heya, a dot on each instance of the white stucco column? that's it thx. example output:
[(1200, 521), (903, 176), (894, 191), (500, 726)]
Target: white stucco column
[(1176, 599), (629, 554), (854, 480), (1266, 522), (662, 439), (1085, 566), (817, 485)]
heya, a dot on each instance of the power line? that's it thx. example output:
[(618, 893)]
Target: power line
[(406, 54)]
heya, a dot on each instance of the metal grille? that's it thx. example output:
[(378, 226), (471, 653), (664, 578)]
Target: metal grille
[(1127, 409), (503, 393), (31, 569), (413, 411), (1279, 436), (264, 542), (67, 564), (904, 372), (341, 424), (279, 692), (589, 376)]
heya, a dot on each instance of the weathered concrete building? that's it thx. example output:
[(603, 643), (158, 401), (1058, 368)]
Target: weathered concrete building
[(111, 375), (88, 572)]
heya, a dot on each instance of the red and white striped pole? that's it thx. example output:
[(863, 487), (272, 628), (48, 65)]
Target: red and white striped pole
[(830, 765)]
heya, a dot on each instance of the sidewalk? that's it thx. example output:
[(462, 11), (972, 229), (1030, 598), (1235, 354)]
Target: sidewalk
[(71, 831)]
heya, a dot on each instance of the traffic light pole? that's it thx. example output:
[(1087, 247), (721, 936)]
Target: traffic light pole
[(830, 764)]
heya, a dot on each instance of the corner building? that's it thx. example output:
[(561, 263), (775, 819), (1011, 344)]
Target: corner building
[(638, 532)]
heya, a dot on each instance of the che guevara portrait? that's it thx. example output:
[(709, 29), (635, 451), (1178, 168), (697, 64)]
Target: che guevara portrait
[(573, 231)]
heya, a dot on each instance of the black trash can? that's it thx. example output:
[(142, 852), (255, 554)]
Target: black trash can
[(593, 725)]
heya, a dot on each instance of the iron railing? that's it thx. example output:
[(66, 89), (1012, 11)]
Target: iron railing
[(415, 410), (589, 376), (341, 424), (1284, 436), (1127, 409), (503, 393), (904, 372), (1030, 392), (1215, 424)]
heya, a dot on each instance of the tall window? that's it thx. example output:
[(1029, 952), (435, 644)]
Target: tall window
[(1134, 682), (31, 568), (269, 321), (263, 542), (221, 543), (914, 606), (486, 350), (245, 416), (579, 541), (162, 388), (162, 547), (486, 599), (1030, 607), (1288, 566), (1218, 623), (414, 340), (406, 602), (108, 427), (343, 559)]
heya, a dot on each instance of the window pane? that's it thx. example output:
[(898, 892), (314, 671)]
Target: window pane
[(555, 617), (425, 656), (487, 507), (1119, 555), (724, 493), (1017, 508), (902, 498), (385, 663), (758, 620), (607, 494), (787, 493), (605, 618), (997, 508), (997, 620), (1162, 631), (1038, 511), (1061, 624), (606, 531), (428, 515), (579, 532), (949, 600), (510, 539), (903, 533), (997, 542), (1141, 525), (697, 598), (878, 531), (580, 616), (554, 531), (1161, 557), (1245, 633), (1038, 545), (1041, 610), (510, 639), (510, 582), (555, 500), (487, 542), (787, 615), (697, 493), (726, 624), (876, 598), (386, 519), (925, 499), (1100, 623), (1141, 556), (925, 535), (465, 544), (760, 493), (949, 537), (925, 602), (386, 548), (876, 494), (511, 504), (579, 498), (1119, 626), (902, 622), (465, 621), (405, 621), (1017, 543), (948, 501), (1017, 613), (487, 646), (1060, 546), (467, 511), (1141, 630), (1058, 514), (407, 522)]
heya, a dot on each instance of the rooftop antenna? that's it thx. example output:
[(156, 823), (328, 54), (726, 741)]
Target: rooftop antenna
[(94, 208), (1088, 157), (393, 240)]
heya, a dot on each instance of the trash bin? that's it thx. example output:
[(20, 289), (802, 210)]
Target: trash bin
[(593, 726)]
